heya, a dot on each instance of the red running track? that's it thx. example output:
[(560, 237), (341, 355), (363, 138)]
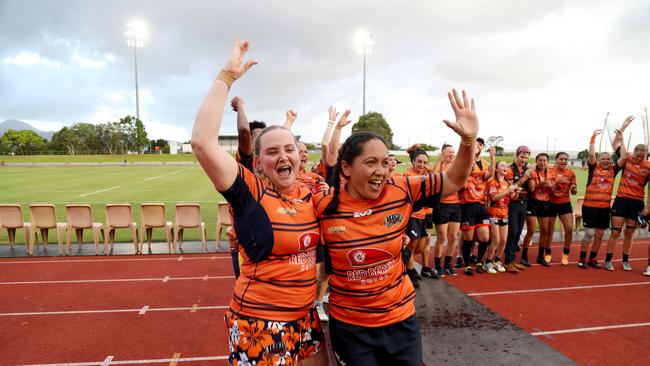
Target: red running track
[(593, 316)]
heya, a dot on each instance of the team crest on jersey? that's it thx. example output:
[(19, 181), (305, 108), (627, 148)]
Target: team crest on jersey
[(368, 257), (307, 241), (336, 229), (392, 220), (288, 211)]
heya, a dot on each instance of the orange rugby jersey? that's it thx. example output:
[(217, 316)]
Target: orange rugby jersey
[(278, 235), (563, 178), (311, 180), (541, 193), (474, 191), (452, 198), (420, 214), (499, 208), (363, 245), (246, 160), (513, 176), (600, 184), (633, 179)]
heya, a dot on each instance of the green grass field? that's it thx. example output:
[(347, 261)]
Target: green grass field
[(132, 184)]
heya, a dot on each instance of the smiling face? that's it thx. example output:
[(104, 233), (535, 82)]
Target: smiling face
[(522, 158), (279, 158), (368, 171), (448, 154), (304, 155), (605, 160), (502, 169), (420, 163), (392, 163), (541, 162), (562, 161), (479, 149), (640, 152)]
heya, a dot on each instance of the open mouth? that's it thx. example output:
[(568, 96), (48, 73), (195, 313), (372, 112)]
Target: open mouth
[(375, 184), (285, 171)]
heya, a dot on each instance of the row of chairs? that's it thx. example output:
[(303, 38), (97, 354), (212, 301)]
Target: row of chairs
[(117, 216)]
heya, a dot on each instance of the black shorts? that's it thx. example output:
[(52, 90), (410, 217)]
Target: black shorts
[(428, 221), (627, 207), (395, 344), (537, 208), (559, 209), (473, 215), (416, 228), (595, 218), (320, 253), (499, 222), (446, 213)]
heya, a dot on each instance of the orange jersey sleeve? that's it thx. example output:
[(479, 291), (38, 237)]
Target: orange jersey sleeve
[(420, 214), (499, 208), (634, 178), (564, 179), (600, 185), (363, 244), (278, 235), (246, 160), (452, 198)]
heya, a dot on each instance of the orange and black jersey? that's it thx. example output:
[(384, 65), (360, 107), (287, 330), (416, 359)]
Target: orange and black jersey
[(563, 179), (600, 184), (633, 179), (452, 198), (542, 193), (363, 246), (420, 214), (514, 174), (310, 179), (278, 235), (245, 159), (474, 190), (499, 208)]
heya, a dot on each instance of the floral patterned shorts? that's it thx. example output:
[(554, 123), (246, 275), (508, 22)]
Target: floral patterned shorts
[(259, 342)]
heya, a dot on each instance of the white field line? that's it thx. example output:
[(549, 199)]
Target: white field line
[(137, 311), (100, 191), (590, 329), (156, 279), (152, 178), (551, 289), (110, 361), (114, 260)]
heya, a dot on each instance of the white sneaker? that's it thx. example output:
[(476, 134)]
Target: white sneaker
[(626, 266), (489, 268), (499, 266), (321, 313), (647, 271)]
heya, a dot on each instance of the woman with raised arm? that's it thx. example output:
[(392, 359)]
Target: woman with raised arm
[(596, 208), (560, 202), (271, 319), (362, 220), (446, 218)]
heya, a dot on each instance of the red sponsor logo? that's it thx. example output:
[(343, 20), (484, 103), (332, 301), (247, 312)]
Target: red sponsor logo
[(368, 257), (307, 241)]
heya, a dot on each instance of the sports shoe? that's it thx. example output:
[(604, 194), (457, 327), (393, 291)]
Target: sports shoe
[(647, 272), (594, 264), (518, 266), (468, 271), (565, 259), (489, 268), (499, 267), (440, 272), (449, 271), (626, 266), (543, 262), (609, 266), (459, 262), (429, 273), (582, 263), (322, 314), (510, 268), (525, 262), (414, 274), (548, 258), (479, 268), (472, 259), (411, 273)]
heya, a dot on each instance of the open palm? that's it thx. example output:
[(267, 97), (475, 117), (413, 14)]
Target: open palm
[(466, 124)]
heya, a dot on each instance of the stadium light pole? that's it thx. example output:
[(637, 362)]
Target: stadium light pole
[(364, 42), (136, 33)]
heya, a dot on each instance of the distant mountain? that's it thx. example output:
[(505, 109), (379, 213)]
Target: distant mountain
[(12, 124)]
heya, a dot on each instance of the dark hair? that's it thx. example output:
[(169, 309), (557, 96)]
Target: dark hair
[(560, 154), (444, 146), (349, 151), (540, 155), (268, 129), (480, 141), (414, 151), (255, 125)]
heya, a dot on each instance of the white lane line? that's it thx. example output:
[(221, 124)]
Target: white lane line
[(180, 259), (166, 279), (590, 329), (29, 261), (134, 362), (152, 178), (143, 310), (100, 191), (204, 278), (107, 361), (473, 294), (78, 312)]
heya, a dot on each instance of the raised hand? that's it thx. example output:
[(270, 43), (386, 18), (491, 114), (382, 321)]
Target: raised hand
[(291, 115), (466, 124), (627, 122), (493, 151), (597, 132), (236, 103), (235, 66), (331, 110), (344, 121)]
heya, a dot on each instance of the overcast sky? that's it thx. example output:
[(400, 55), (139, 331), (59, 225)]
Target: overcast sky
[(536, 68)]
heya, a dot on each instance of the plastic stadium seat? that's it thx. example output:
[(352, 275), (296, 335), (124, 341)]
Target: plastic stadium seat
[(43, 218), (577, 213), (152, 215), (188, 215), (119, 216), (223, 220), (11, 218), (80, 217)]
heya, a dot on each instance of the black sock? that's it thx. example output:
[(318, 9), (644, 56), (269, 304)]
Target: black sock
[(566, 251), (548, 250), (436, 261), (524, 253), (447, 261), (648, 261), (608, 257), (497, 259), (540, 253), (583, 254), (482, 248), (626, 257), (488, 261), (468, 246), (593, 255)]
